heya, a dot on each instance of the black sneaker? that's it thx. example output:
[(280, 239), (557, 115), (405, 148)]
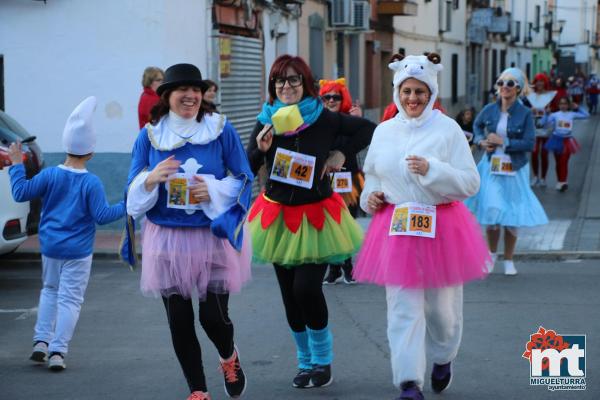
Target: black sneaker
[(302, 379), (410, 391), (347, 269), (321, 376), (235, 379), (441, 376), (333, 276)]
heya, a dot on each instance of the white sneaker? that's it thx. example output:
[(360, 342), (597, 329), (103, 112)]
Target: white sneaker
[(491, 265), (535, 182), (542, 183), (56, 362), (509, 268), (40, 352), (562, 186)]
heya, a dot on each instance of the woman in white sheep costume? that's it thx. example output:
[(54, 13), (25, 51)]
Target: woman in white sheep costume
[(421, 157)]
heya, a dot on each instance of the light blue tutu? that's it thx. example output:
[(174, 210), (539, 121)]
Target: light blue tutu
[(506, 200)]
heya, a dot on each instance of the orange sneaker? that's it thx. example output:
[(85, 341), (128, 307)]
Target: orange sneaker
[(198, 395), (235, 379)]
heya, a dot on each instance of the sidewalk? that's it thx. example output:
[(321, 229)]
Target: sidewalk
[(573, 231)]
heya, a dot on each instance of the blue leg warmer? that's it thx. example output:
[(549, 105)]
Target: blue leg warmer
[(321, 346), (302, 349)]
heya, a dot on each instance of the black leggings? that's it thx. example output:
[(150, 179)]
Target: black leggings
[(214, 319), (302, 293)]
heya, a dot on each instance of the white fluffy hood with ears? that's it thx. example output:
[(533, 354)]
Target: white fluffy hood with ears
[(422, 68)]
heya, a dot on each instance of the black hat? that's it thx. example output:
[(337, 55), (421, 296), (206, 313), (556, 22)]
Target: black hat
[(181, 75)]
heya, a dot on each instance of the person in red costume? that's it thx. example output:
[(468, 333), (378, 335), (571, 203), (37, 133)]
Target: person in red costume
[(561, 91), (153, 77)]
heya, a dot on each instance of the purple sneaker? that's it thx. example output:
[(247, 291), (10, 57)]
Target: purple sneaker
[(410, 391), (441, 376)]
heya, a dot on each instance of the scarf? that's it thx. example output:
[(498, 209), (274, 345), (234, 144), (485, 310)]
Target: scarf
[(310, 109)]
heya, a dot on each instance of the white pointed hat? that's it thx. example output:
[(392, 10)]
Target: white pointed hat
[(79, 137)]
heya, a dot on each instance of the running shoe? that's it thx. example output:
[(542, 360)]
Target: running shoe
[(333, 276), (441, 377), (410, 391), (198, 395), (56, 362), (40, 352), (321, 376), (302, 379), (235, 379)]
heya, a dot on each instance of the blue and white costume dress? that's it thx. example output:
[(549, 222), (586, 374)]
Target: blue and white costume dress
[(189, 252), (506, 200)]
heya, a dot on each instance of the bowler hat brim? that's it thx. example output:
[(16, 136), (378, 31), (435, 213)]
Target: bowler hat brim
[(184, 82)]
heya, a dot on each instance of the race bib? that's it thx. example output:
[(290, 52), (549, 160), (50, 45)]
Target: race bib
[(501, 164), (538, 113), (413, 219), (342, 182), (178, 193), (293, 168), (564, 124)]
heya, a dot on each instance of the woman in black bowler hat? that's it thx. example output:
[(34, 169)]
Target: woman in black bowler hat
[(194, 241)]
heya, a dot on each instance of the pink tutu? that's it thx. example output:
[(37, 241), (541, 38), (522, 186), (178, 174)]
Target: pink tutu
[(458, 253), (191, 261)]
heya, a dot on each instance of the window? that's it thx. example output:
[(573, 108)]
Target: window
[(516, 34), (502, 60), (455, 4), (538, 11)]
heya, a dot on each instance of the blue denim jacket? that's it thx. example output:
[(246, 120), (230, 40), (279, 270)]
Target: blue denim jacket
[(520, 130)]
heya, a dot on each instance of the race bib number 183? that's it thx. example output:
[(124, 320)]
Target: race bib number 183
[(413, 219)]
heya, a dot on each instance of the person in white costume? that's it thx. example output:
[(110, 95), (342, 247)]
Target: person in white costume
[(418, 170)]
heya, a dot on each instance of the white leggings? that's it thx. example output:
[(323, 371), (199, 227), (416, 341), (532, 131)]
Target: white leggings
[(422, 322)]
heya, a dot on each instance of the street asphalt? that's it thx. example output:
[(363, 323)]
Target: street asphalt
[(122, 350)]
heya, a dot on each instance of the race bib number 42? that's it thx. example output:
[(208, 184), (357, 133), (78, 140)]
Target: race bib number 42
[(413, 219), (293, 168)]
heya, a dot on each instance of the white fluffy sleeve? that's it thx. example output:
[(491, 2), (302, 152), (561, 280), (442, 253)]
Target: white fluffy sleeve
[(456, 178), (139, 200)]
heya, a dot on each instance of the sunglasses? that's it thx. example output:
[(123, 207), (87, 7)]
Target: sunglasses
[(292, 80), (508, 82), (334, 97)]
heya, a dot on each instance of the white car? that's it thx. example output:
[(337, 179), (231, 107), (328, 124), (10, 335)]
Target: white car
[(17, 220), (13, 215)]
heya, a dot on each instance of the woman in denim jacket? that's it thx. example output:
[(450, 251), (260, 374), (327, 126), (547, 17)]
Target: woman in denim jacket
[(506, 131)]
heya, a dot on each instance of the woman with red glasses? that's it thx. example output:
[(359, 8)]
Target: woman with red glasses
[(299, 224), (336, 98), (506, 131)]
